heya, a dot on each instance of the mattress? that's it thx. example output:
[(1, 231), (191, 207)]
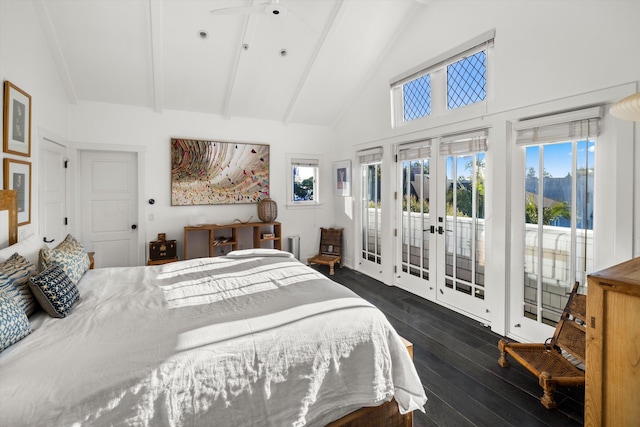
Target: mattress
[(247, 339)]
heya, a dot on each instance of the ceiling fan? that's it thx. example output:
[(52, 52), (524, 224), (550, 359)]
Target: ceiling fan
[(271, 8)]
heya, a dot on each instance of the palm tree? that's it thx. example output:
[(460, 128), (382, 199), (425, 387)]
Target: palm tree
[(550, 214)]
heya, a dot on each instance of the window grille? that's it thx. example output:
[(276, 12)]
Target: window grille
[(417, 98), (467, 81)]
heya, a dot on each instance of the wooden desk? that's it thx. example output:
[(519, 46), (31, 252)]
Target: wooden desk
[(226, 235)]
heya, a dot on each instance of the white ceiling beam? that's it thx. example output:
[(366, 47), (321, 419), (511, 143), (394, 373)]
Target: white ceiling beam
[(51, 37), (312, 60), (236, 66), (155, 28)]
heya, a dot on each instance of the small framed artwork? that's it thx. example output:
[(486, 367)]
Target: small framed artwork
[(17, 120), (17, 176), (342, 178)]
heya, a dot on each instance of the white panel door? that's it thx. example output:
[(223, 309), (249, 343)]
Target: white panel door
[(109, 206), (52, 192)]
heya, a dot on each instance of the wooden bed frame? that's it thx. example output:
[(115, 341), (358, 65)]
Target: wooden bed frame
[(9, 202), (385, 415)]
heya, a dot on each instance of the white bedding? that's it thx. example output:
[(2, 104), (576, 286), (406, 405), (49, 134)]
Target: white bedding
[(260, 341)]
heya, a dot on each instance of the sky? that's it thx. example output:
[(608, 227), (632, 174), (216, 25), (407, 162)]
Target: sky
[(557, 158)]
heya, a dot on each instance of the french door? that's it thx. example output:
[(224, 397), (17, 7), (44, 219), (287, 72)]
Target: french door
[(371, 250), (441, 222), (557, 194), (416, 263)]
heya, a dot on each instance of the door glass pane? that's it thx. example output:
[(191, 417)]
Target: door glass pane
[(449, 230), (406, 219), (462, 213), (531, 249), (464, 224), (424, 205), (479, 224), (371, 214), (415, 217), (584, 209), (556, 222)]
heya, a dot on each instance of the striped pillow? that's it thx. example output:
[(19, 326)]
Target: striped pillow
[(14, 324), (70, 255), (14, 280), (54, 291)]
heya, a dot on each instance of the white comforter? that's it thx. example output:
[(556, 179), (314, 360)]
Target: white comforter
[(210, 342)]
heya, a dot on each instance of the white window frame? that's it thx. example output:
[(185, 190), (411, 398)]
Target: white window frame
[(437, 68), (294, 160)]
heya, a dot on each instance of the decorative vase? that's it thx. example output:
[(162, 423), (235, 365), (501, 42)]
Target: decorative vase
[(267, 210)]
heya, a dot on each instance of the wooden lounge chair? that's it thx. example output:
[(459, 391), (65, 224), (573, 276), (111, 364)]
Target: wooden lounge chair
[(546, 361), (330, 249)]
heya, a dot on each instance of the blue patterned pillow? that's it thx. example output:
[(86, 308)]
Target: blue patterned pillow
[(14, 323), (70, 255), (55, 292), (14, 280)]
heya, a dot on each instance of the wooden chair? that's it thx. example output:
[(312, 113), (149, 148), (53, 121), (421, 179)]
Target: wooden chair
[(546, 361), (330, 249)]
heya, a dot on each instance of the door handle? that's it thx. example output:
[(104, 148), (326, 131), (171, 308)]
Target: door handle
[(133, 227), (440, 230), (44, 239), (432, 229)]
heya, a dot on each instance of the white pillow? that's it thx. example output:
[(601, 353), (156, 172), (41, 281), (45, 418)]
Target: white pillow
[(259, 252), (29, 248)]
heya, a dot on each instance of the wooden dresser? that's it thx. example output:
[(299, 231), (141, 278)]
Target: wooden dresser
[(613, 346)]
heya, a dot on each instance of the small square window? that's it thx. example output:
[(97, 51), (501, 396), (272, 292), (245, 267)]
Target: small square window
[(467, 81), (417, 98)]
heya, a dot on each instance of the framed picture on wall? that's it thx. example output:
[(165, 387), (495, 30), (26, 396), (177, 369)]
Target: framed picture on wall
[(218, 173), (342, 178), (17, 120), (17, 176)]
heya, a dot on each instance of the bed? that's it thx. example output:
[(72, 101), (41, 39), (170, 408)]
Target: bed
[(253, 338)]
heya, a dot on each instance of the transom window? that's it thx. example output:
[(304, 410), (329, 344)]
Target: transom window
[(467, 81), (417, 98), (456, 79)]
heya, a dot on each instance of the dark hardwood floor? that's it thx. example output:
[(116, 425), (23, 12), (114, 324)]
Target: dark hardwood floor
[(457, 360)]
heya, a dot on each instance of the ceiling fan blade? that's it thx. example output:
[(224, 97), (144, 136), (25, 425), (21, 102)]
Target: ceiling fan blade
[(240, 10)]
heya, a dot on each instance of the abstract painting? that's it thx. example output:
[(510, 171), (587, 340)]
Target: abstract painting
[(215, 173)]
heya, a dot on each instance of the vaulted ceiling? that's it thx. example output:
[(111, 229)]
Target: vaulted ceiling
[(302, 65)]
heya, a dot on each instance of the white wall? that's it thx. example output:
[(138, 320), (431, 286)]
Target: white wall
[(548, 56), (25, 61), (113, 125)]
